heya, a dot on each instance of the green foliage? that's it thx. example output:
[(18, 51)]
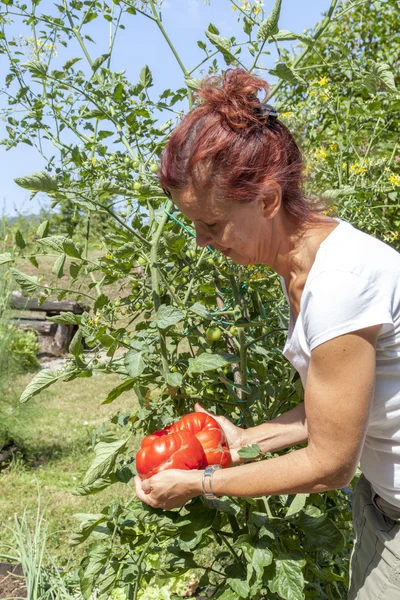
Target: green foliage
[(340, 96)]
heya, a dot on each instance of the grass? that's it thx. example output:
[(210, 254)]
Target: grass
[(54, 432)]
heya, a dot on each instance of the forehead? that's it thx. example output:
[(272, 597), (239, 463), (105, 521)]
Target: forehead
[(198, 204)]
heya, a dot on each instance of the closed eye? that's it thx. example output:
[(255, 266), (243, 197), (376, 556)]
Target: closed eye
[(211, 224)]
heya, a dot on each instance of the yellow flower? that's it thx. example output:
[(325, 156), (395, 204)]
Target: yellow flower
[(234, 7), (321, 153), (94, 160), (257, 10), (395, 235), (323, 81), (357, 169), (109, 255), (334, 147), (395, 180)]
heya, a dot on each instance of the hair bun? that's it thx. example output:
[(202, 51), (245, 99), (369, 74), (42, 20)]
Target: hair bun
[(234, 97)]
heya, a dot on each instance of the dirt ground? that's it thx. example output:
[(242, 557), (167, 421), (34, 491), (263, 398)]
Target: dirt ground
[(12, 584)]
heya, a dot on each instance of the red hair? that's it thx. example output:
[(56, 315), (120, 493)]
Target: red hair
[(238, 145)]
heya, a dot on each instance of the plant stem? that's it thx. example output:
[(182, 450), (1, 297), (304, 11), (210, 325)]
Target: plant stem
[(139, 564), (320, 30), (155, 284)]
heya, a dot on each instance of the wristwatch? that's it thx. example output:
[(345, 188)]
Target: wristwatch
[(207, 475)]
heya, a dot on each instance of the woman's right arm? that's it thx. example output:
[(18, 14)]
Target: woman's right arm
[(286, 430)]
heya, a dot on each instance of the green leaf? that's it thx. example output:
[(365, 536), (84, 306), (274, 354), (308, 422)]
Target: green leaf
[(28, 284), (40, 382), (106, 454), (5, 258), (270, 25), (283, 71), (96, 487), (37, 68), (297, 504), (288, 581), (98, 556), (19, 240), (118, 92), (58, 267), (88, 524), (75, 346), (62, 244), (223, 45), (70, 63), (320, 531), (99, 61), (38, 182), (43, 229), (100, 302), (168, 315), (345, 190), (210, 362), (120, 389), (174, 380), (386, 75), (193, 83), (252, 451), (146, 78), (66, 318), (134, 363), (195, 524), (284, 35), (199, 309)]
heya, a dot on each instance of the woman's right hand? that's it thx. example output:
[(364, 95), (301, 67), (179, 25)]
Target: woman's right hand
[(236, 436)]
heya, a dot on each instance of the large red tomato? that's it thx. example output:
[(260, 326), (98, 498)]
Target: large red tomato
[(194, 442), (210, 435), (162, 450)]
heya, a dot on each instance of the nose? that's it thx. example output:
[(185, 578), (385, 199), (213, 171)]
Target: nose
[(203, 238)]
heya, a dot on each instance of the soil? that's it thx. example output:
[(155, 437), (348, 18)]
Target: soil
[(12, 584)]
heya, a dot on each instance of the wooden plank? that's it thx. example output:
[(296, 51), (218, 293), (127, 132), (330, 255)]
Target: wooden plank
[(39, 325), (49, 306)]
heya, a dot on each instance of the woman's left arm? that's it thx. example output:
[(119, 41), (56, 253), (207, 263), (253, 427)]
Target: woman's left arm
[(338, 400)]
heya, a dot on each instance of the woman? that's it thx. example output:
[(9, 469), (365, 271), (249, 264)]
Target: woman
[(235, 170)]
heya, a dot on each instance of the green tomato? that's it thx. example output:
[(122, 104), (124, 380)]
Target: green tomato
[(142, 261), (123, 214), (186, 269), (137, 186), (213, 334), (191, 254), (210, 261), (149, 304), (147, 314), (117, 303), (153, 168), (137, 306), (127, 160), (233, 330)]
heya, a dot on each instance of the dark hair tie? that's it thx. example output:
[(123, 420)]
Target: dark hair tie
[(266, 110)]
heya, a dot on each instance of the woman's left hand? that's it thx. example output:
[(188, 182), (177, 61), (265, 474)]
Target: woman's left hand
[(169, 489)]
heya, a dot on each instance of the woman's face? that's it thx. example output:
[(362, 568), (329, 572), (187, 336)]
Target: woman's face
[(240, 231)]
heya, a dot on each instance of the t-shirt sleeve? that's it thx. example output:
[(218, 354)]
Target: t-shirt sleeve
[(339, 302)]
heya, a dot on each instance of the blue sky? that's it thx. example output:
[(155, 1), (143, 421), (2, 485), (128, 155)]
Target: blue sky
[(139, 44)]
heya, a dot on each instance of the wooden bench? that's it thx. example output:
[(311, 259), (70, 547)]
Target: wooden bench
[(53, 338)]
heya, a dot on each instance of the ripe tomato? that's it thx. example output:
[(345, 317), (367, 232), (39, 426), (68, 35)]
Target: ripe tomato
[(164, 450), (194, 442), (210, 435)]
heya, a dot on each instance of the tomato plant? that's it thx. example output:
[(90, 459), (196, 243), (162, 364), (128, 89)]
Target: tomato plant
[(339, 94)]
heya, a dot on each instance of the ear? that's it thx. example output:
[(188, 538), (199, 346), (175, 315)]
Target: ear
[(271, 199)]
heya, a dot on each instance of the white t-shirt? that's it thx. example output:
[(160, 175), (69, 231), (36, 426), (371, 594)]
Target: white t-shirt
[(354, 283)]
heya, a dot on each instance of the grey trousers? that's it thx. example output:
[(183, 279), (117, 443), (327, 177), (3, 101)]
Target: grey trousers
[(375, 560)]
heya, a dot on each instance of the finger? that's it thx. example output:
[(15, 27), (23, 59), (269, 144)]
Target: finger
[(198, 408), (140, 493), (146, 486)]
